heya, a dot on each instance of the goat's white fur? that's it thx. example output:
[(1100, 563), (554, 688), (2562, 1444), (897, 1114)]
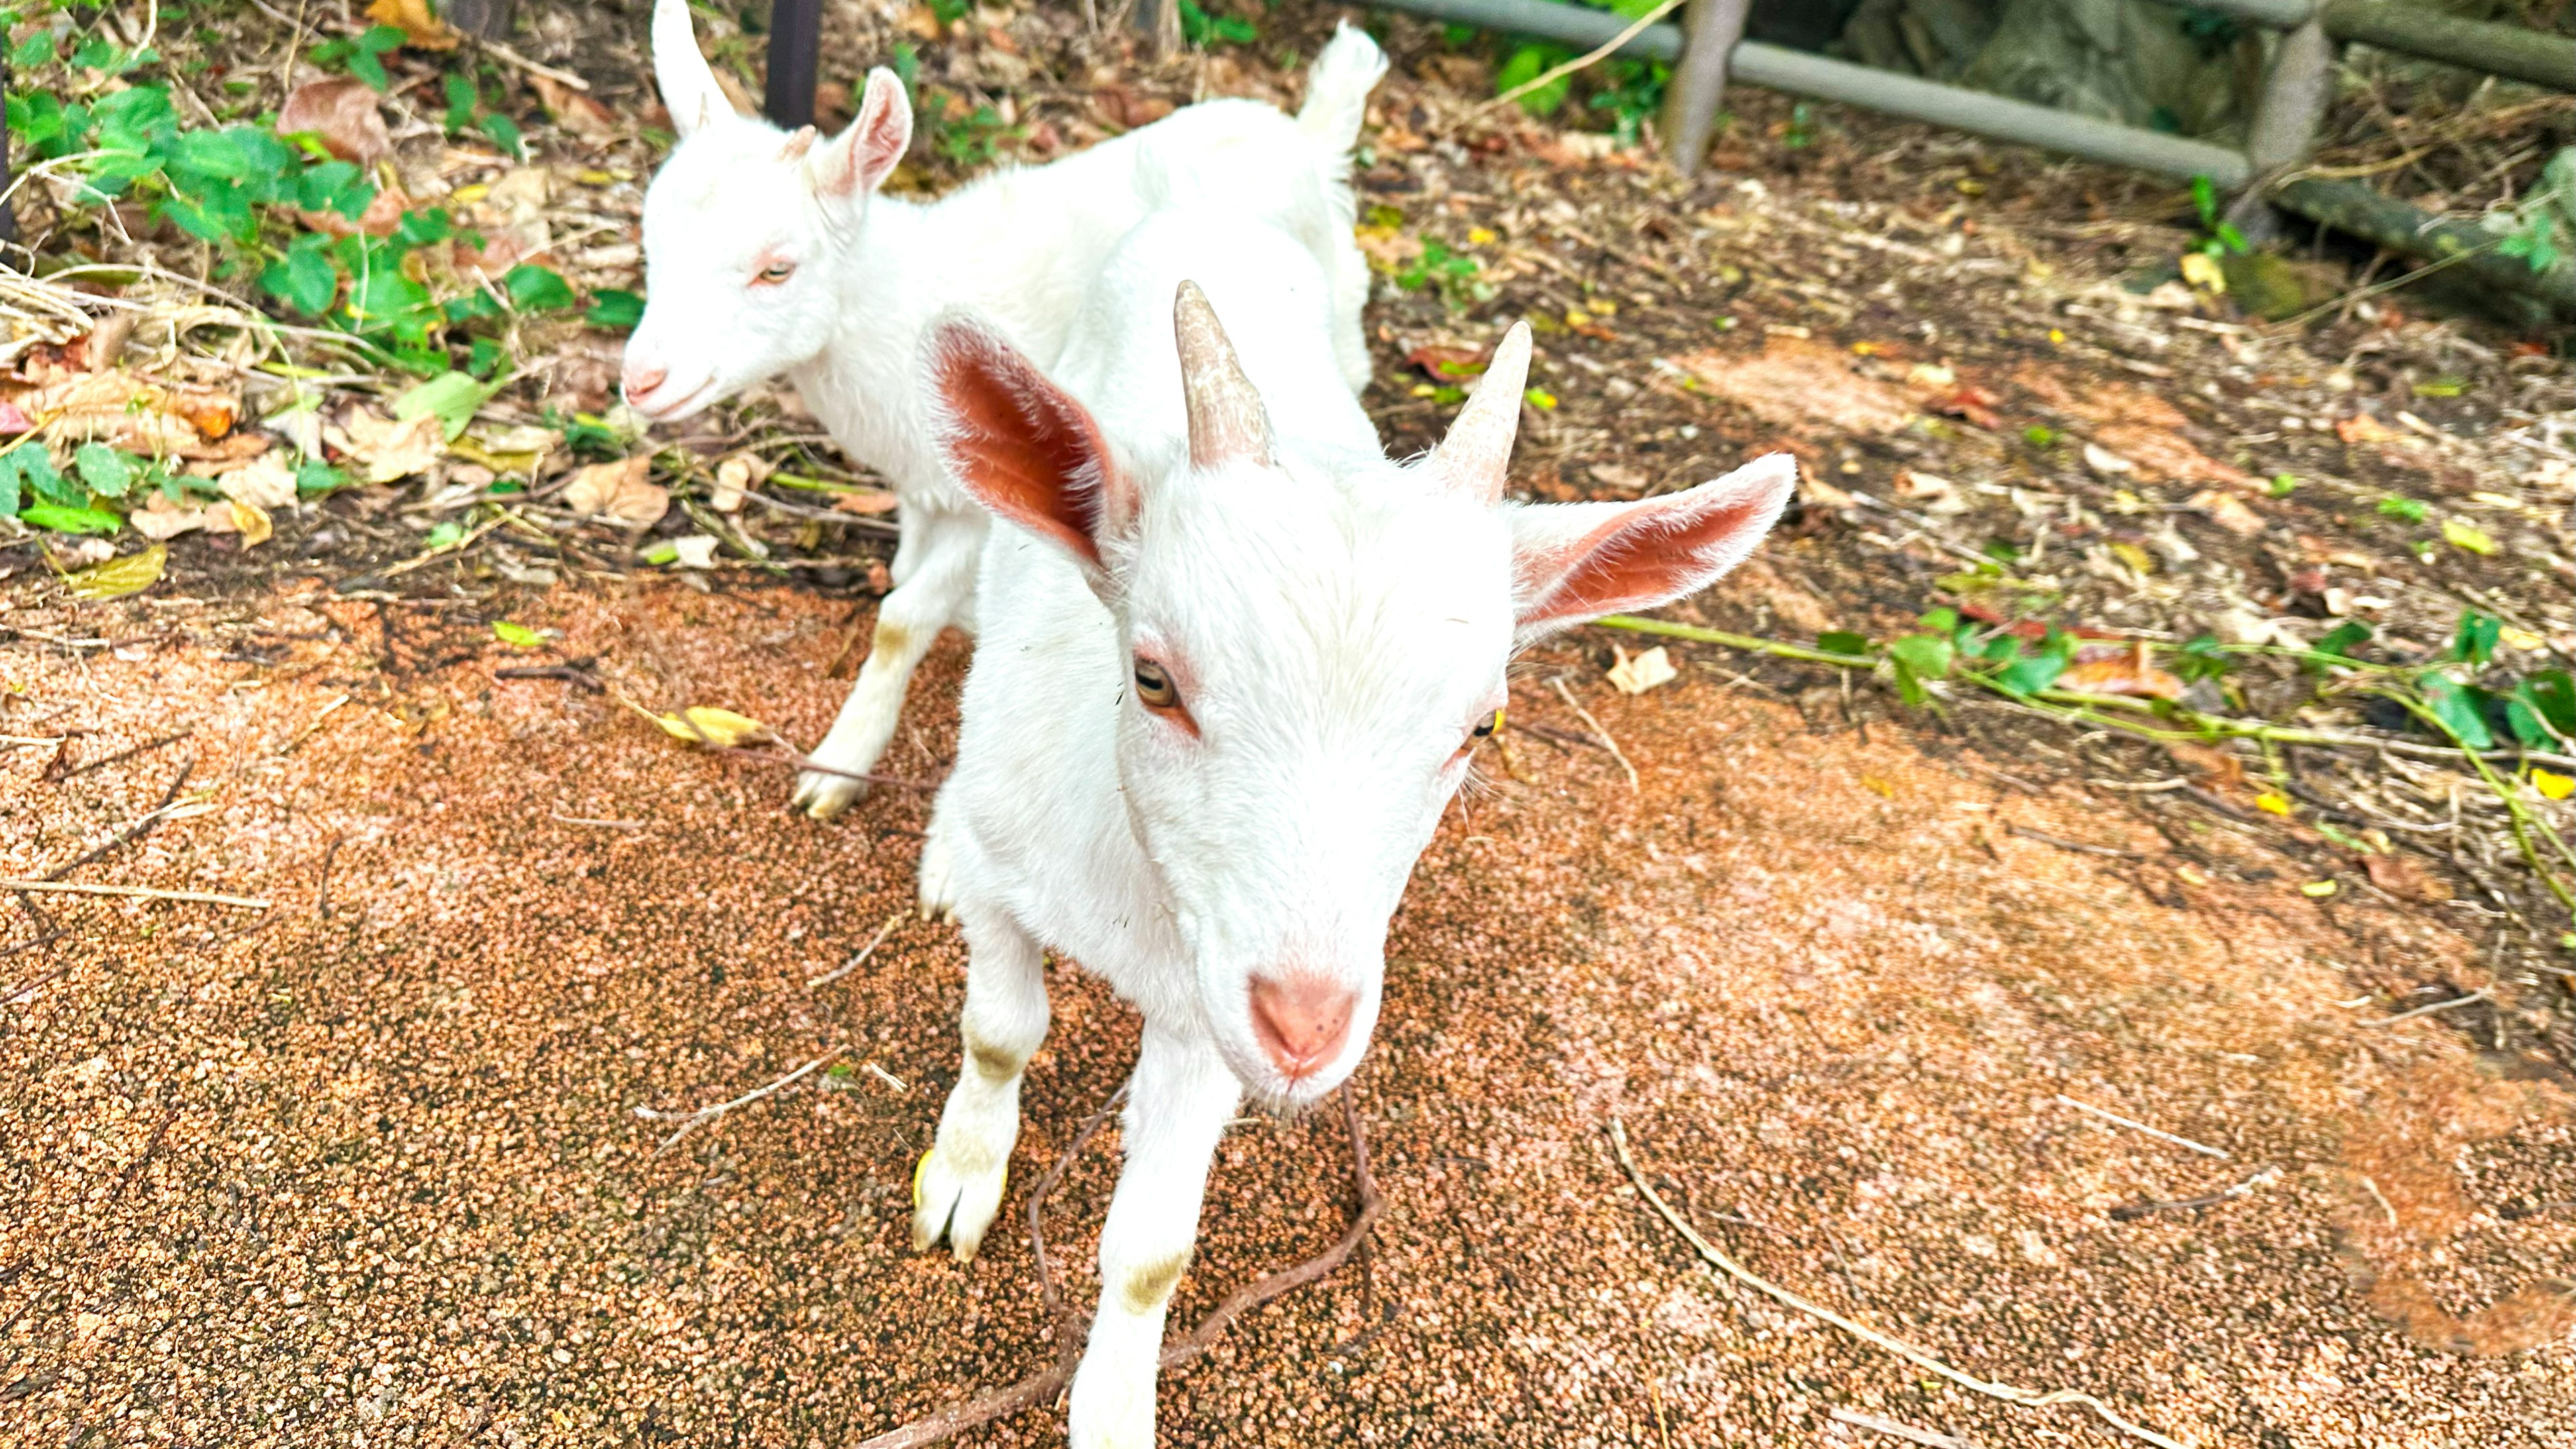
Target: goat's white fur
[(870, 272), (1338, 625)]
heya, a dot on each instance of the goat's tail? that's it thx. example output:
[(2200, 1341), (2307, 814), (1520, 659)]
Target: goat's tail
[(1337, 88)]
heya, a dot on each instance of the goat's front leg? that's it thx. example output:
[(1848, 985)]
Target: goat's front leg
[(957, 1187), (1183, 1097), (932, 592)]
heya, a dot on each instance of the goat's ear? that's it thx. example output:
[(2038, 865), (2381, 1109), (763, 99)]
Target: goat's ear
[(1477, 454), (688, 83), (1020, 444), (1577, 561), (860, 159)]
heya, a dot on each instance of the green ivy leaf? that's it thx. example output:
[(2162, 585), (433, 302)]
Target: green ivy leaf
[(37, 49), (61, 519), (517, 636), (304, 278), (2476, 641), (505, 134), (316, 478), (335, 186), (460, 103), (25, 469), (1843, 641), (2456, 706), (616, 310), (451, 397), (532, 288), (2551, 693), (2341, 640), (2038, 670), (104, 469), (2412, 510), (1525, 65)]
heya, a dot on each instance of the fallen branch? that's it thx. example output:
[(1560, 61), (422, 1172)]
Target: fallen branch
[(1928, 1438), (2009, 1393), (855, 962), (2129, 1211), (1038, 1386), (2062, 843)]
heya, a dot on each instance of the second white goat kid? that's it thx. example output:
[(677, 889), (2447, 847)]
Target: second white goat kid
[(1229, 677), (768, 252)]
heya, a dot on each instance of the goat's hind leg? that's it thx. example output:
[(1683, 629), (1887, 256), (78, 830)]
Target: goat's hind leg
[(957, 1188), (932, 594), (1183, 1096)]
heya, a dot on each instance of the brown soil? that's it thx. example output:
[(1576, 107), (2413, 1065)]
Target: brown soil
[(366, 1167)]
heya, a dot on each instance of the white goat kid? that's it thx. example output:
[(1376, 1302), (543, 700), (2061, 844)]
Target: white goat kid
[(1228, 679), (768, 252)]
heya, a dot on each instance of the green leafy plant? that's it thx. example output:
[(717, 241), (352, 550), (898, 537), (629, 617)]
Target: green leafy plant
[(2219, 237), (362, 55), (1201, 28), (1456, 277), (1527, 63)]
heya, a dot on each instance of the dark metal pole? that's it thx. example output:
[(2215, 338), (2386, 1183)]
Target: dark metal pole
[(795, 48), (8, 209)]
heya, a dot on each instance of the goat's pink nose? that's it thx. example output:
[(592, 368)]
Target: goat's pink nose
[(640, 382), (1301, 1022)]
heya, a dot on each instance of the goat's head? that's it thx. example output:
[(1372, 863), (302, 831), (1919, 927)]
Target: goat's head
[(1313, 643), (743, 226)]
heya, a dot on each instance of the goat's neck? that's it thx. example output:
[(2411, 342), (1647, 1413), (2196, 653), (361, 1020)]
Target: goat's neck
[(861, 385)]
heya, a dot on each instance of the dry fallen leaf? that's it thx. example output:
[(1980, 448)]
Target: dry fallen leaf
[(867, 501), (342, 111), (574, 111), (2122, 675), (2217, 767), (620, 491), (736, 476), (694, 551), (2363, 428), (130, 414), (159, 518), (1642, 673), (117, 578), (1618, 475), (2405, 877), (419, 23), (388, 449), (265, 482), (250, 522), (702, 724), (2228, 512), (2103, 460)]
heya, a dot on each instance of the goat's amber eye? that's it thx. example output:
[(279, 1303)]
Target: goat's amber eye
[(1489, 724), (1154, 688), (776, 272)]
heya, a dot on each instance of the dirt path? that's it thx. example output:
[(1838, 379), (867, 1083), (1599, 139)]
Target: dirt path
[(373, 1174)]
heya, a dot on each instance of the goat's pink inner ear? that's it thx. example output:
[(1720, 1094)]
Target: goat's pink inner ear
[(877, 140), (1639, 555), (1023, 447)]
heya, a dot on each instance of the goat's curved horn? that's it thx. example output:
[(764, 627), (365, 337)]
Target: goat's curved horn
[(1476, 455), (688, 83), (1227, 421)]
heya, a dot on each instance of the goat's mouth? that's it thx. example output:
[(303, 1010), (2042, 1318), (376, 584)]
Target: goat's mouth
[(692, 401)]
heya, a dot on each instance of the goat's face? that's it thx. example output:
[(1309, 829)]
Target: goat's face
[(1315, 643), (744, 229)]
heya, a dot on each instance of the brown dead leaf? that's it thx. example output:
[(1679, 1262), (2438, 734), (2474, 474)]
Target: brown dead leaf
[(2405, 877), (2217, 768), (160, 519), (265, 482), (574, 111), (2228, 512), (251, 523), (2363, 428), (1450, 365), (124, 411), (619, 491), (419, 23), (342, 112), (736, 476), (865, 502), (388, 450), (1969, 404), (2125, 674)]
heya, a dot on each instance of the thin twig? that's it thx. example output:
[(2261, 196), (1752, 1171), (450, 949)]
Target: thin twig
[(2062, 843), (2480, 994), (1607, 742), (125, 754), (855, 962), (704, 1115), (134, 830), (75, 888), (2200, 1147), (1037, 1387), (2128, 1211), (1555, 73), (2009, 1393), (1929, 1438)]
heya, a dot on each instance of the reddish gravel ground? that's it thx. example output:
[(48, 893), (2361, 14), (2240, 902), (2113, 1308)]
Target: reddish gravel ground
[(365, 1167)]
